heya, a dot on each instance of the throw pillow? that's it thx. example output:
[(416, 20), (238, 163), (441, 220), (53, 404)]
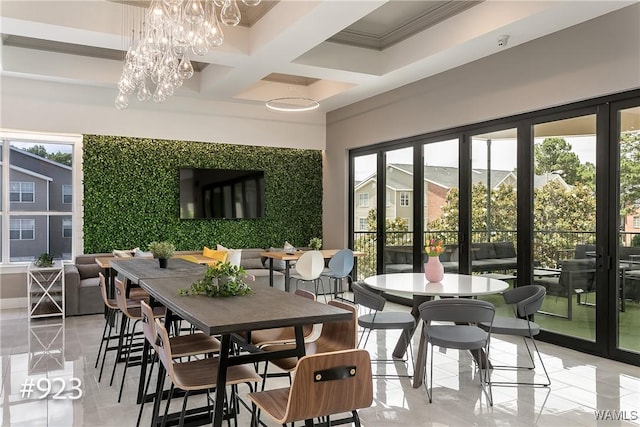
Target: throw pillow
[(233, 255), (137, 253), (253, 263), (220, 256), (124, 253), (87, 271), (278, 265), (288, 247)]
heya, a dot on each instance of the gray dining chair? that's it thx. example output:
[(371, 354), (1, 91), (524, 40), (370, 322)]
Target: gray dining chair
[(525, 302), (340, 266), (377, 319), (463, 334)]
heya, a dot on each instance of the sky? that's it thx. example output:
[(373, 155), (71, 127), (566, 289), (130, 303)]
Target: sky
[(503, 154)]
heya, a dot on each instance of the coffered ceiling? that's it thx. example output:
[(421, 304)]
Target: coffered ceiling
[(337, 52)]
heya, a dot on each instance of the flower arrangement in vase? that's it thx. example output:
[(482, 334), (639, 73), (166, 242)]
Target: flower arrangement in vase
[(433, 268)]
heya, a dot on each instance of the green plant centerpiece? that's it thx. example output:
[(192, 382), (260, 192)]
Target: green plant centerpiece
[(315, 243), (163, 251), (44, 260), (220, 280)]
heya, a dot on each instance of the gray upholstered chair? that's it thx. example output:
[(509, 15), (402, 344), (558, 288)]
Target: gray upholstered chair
[(464, 334), (525, 301), (376, 319)]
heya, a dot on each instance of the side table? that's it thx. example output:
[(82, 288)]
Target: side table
[(45, 290)]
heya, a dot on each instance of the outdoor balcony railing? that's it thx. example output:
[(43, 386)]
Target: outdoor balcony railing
[(550, 246)]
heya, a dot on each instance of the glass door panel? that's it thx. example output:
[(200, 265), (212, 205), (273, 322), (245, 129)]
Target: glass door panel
[(494, 181), (564, 230), (398, 211), (441, 192), (365, 212), (628, 265)]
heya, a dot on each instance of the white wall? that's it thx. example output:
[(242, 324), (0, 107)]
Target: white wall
[(598, 57), (41, 106)]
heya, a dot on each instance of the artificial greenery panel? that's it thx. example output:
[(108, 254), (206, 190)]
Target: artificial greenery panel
[(131, 194)]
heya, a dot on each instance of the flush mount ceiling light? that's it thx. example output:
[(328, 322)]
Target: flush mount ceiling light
[(292, 104)]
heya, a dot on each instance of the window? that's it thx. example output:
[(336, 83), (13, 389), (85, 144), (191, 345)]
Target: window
[(362, 224), (363, 200), (66, 228), (23, 192), (405, 198), (22, 229), (38, 175), (67, 194), (636, 222)]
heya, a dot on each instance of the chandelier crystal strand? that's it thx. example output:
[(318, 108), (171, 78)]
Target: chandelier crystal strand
[(158, 61)]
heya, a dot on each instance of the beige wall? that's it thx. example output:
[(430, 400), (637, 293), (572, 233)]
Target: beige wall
[(598, 57)]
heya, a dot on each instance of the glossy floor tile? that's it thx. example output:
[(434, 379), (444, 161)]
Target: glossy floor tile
[(51, 353)]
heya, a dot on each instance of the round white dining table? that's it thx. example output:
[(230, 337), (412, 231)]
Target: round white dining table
[(452, 285), (417, 286)]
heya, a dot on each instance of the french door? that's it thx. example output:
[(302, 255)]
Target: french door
[(561, 186)]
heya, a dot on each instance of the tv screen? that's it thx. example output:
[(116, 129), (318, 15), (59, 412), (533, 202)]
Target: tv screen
[(221, 193)]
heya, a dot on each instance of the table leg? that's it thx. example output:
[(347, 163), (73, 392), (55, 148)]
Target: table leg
[(418, 370), (218, 409), (401, 346), (286, 276), (271, 272)]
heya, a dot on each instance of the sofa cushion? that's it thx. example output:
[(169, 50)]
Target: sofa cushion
[(504, 249), (252, 263), (90, 282), (482, 251), (88, 270)]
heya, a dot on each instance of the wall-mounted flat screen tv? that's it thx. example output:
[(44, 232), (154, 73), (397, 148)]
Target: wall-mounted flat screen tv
[(221, 193)]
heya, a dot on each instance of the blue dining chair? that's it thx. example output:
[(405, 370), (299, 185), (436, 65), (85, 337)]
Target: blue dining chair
[(340, 266)]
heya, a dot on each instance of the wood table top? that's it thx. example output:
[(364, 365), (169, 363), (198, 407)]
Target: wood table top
[(265, 308), (292, 256), (105, 262), (136, 269)]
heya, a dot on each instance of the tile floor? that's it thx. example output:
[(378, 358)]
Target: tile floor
[(61, 352)]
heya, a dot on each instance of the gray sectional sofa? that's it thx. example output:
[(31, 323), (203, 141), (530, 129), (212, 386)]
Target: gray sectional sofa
[(82, 290), (485, 257)]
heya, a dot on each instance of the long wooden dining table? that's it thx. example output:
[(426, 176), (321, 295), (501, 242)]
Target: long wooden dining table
[(228, 317)]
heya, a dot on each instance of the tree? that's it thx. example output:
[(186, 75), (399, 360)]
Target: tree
[(629, 173), (499, 222), (38, 150), (396, 235), (559, 214), (58, 157), (553, 155)]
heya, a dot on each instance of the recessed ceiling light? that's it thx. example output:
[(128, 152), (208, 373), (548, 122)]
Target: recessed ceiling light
[(292, 104)]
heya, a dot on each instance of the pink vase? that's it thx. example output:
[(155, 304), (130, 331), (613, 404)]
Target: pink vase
[(433, 269)]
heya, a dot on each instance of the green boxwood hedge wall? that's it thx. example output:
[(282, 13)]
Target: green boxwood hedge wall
[(131, 194)]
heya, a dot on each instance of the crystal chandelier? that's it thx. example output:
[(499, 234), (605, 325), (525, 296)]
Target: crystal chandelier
[(158, 61)]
